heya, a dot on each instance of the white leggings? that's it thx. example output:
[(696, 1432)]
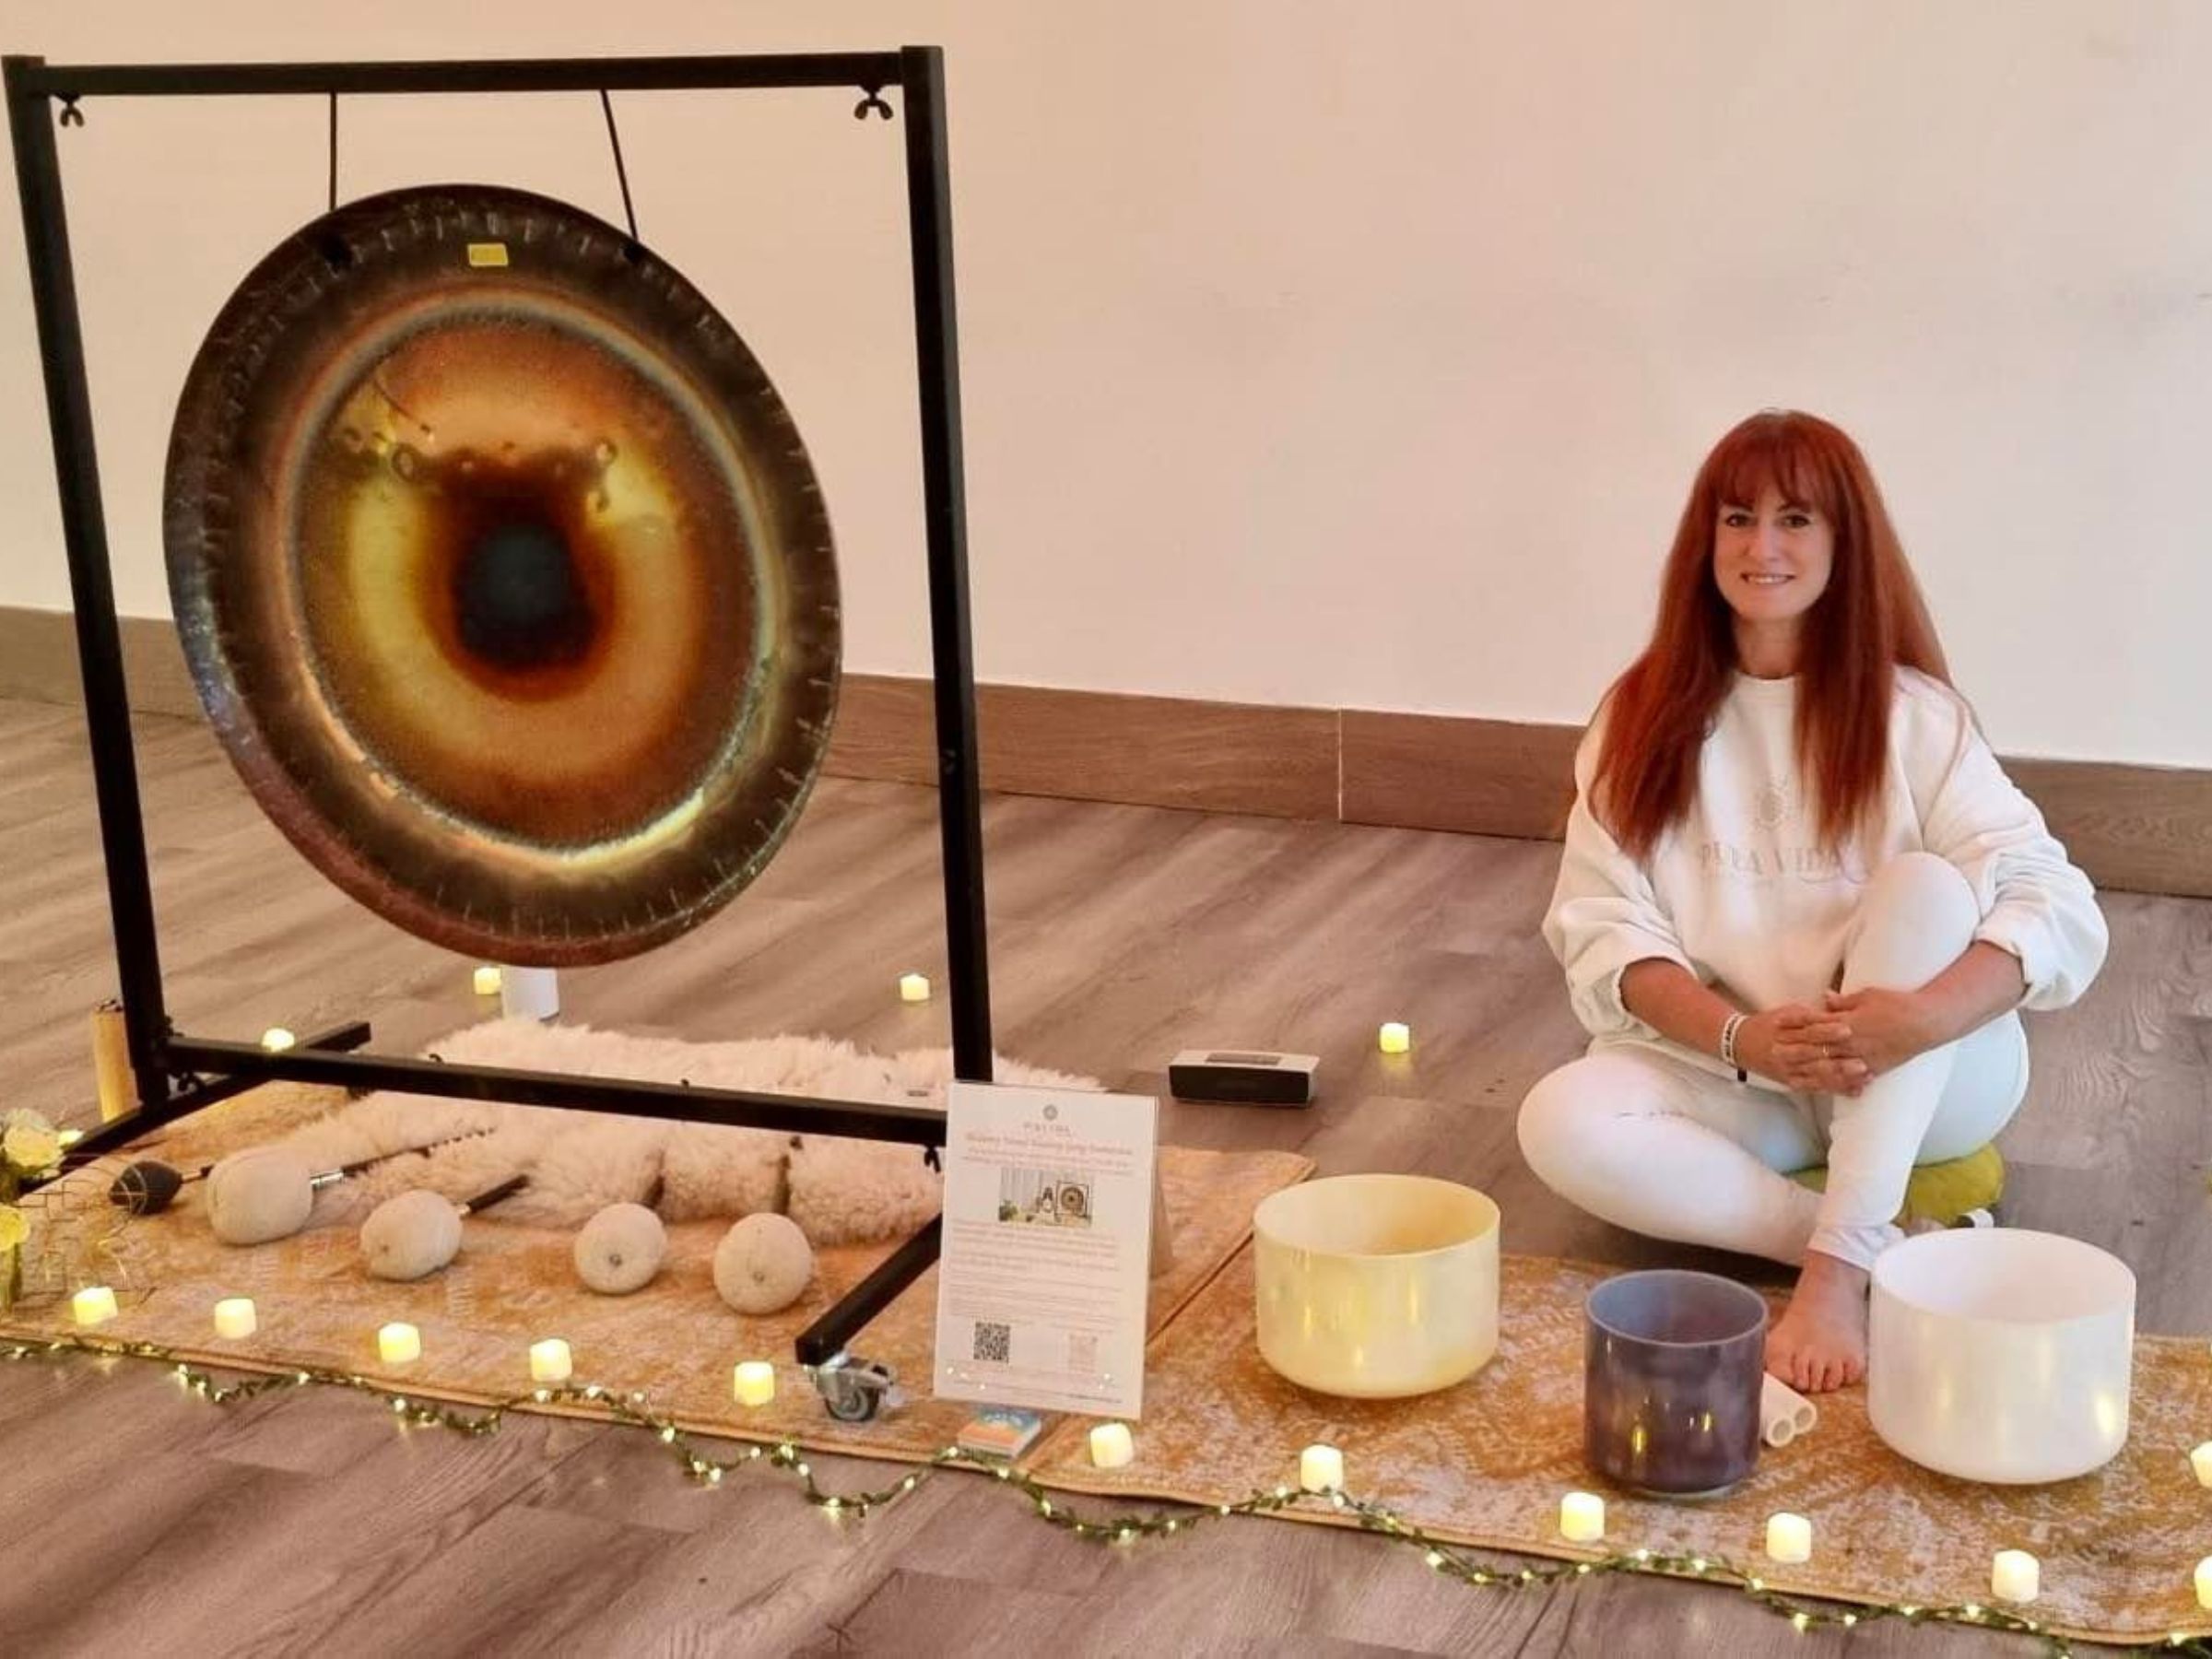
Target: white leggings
[(1649, 1141)]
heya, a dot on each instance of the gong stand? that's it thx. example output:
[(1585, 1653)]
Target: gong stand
[(178, 1074)]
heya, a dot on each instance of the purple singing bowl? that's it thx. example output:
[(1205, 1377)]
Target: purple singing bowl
[(1671, 1377)]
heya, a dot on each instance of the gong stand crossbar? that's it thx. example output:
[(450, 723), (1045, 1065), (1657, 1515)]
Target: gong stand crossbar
[(176, 1073)]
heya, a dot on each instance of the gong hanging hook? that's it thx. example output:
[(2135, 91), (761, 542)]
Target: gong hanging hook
[(73, 116), (874, 101)]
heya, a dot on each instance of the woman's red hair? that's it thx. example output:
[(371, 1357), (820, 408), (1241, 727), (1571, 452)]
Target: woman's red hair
[(1870, 618)]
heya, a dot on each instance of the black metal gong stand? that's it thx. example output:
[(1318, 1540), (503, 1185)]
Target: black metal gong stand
[(178, 1074)]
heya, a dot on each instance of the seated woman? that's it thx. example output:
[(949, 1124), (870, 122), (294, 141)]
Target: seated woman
[(1799, 900)]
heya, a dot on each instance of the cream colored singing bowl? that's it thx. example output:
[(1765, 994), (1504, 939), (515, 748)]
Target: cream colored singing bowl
[(1376, 1286), (2001, 1356)]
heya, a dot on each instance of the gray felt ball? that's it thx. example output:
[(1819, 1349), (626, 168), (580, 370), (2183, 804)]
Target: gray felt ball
[(620, 1249), (414, 1234), (260, 1193), (762, 1264)]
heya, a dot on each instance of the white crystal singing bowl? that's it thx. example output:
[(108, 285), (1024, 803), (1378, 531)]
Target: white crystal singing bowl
[(2001, 1356), (1376, 1286)]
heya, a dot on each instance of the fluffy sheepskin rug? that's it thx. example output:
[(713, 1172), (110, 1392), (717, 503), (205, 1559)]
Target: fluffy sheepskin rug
[(838, 1190)]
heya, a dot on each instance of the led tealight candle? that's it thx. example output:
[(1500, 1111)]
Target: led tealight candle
[(913, 987), (1321, 1469), (487, 980), (753, 1381), (276, 1039), (2015, 1576), (1789, 1538), (234, 1317), (2204, 1584), (1581, 1517), (398, 1343), (2201, 1461), (549, 1360), (1111, 1445), (93, 1304), (1397, 1037)]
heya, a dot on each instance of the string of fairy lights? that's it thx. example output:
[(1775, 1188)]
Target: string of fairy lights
[(708, 1466)]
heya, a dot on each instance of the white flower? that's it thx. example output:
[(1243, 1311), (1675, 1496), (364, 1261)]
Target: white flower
[(13, 1229), (30, 1143)]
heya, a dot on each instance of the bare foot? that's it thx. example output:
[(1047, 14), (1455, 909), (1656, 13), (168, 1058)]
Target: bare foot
[(1819, 1343)]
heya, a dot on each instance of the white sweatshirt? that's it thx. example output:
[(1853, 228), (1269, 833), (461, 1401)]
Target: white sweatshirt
[(1741, 893)]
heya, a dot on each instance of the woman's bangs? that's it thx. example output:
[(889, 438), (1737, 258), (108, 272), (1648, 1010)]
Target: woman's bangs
[(1776, 453)]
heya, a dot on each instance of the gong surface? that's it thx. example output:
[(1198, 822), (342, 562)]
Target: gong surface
[(503, 574)]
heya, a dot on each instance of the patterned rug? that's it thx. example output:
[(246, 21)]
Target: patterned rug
[(675, 1340), (1485, 1464)]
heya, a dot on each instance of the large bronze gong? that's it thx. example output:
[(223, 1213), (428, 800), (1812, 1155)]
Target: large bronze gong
[(503, 574)]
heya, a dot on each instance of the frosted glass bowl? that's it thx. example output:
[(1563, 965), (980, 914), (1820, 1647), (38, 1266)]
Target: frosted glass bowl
[(2001, 1356), (1376, 1286)]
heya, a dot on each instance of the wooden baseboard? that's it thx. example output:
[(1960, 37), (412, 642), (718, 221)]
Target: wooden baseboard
[(38, 660), (1101, 745), (1439, 771), (2136, 828)]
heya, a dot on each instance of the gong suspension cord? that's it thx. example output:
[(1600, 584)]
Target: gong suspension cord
[(333, 152), (614, 139)]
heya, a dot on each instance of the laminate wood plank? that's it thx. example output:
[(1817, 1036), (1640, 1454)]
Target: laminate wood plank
[(921, 1614)]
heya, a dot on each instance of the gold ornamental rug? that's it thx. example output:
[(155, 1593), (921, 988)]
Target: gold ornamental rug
[(1485, 1464), (674, 1341)]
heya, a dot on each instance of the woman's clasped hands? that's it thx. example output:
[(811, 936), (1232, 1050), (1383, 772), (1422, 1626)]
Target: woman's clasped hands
[(1839, 1047)]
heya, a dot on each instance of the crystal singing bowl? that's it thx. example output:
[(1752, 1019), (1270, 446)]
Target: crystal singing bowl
[(1376, 1286), (2001, 1356), (1672, 1369)]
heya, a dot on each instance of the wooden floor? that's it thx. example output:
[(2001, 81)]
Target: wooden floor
[(136, 1518)]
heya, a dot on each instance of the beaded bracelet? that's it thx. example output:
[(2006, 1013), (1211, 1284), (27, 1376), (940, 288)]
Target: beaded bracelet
[(1728, 1030)]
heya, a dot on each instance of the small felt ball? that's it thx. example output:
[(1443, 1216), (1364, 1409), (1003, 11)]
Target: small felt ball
[(414, 1234), (762, 1264), (145, 1187), (620, 1249), (260, 1193)]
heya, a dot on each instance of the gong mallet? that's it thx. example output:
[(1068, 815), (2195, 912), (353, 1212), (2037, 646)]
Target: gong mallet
[(266, 1193), (413, 1235), (150, 1186)]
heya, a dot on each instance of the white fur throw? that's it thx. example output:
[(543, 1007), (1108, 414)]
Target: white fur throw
[(839, 1191)]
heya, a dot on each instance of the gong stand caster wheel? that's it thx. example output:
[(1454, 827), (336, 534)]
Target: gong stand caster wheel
[(854, 1390)]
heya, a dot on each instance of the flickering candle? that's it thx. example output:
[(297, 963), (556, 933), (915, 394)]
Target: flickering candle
[(2016, 1576), (486, 980), (753, 1381), (93, 1304), (1396, 1038), (234, 1317), (1789, 1538), (2201, 1461), (1321, 1469), (398, 1343), (1581, 1517), (913, 987), (549, 1360), (1111, 1445), (2204, 1584), (276, 1039)]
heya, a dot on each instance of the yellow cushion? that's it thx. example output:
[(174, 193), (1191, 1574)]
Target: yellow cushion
[(1939, 1192)]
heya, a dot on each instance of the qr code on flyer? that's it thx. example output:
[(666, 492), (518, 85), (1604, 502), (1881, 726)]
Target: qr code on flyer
[(994, 1342)]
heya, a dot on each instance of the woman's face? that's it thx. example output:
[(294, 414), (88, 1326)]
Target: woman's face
[(1770, 560)]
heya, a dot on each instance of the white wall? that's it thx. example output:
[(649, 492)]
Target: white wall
[(1331, 354)]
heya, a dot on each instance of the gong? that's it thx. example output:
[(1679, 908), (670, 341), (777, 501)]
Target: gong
[(503, 574)]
